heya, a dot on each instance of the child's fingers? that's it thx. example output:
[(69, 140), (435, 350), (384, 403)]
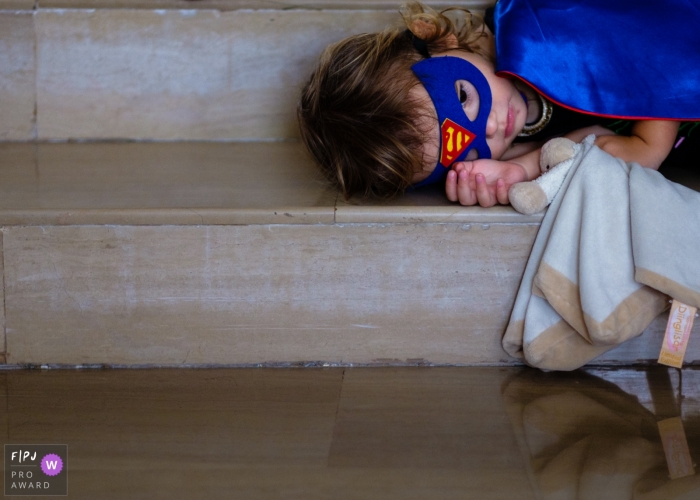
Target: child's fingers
[(501, 192), (483, 193), (467, 196), (451, 186), (462, 165)]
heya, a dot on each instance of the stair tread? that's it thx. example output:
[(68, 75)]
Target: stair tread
[(196, 183)]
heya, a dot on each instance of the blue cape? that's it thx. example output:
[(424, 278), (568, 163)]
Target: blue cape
[(633, 59)]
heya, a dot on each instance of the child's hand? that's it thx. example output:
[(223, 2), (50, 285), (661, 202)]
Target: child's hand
[(484, 182)]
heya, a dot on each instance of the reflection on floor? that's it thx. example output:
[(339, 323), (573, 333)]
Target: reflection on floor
[(360, 433)]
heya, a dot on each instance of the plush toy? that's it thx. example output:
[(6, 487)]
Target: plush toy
[(555, 161)]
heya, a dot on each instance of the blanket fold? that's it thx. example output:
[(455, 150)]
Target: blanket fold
[(615, 243)]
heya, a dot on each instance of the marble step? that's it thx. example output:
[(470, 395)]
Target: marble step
[(229, 5), (356, 433), (166, 70), (237, 254)]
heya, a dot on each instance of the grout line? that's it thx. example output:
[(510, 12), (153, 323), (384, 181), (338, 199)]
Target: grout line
[(335, 418), (7, 406), (340, 395), (335, 217), (4, 308), (35, 117)]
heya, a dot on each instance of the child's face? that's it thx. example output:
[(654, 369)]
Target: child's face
[(506, 119)]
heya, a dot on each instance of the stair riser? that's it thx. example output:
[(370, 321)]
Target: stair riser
[(433, 293), (17, 76), (249, 294), (163, 75)]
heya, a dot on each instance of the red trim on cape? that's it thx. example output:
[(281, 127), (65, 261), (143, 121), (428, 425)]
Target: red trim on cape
[(571, 108)]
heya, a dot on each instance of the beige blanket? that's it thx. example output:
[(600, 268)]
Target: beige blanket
[(615, 243)]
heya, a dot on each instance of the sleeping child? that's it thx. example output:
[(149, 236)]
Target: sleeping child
[(468, 102)]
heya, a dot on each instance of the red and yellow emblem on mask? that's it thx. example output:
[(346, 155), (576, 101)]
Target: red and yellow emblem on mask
[(455, 139)]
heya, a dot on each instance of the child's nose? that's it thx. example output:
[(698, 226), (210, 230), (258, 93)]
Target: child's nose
[(491, 124)]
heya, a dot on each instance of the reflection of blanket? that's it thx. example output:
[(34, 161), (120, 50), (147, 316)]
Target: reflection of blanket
[(616, 240), (583, 438)]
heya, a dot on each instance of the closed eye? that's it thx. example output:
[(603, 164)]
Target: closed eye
[(468, 98)]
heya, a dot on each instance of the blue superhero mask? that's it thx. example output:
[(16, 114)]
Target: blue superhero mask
[(458, 134)]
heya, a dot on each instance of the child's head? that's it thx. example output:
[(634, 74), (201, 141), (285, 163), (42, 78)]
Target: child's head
[(364, 115)]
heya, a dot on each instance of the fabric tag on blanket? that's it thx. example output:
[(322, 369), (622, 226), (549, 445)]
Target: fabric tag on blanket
[(680, 322)]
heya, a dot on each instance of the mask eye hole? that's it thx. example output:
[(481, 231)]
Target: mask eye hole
[(468, 98)]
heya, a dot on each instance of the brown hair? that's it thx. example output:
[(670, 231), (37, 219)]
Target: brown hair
[(356, 116)]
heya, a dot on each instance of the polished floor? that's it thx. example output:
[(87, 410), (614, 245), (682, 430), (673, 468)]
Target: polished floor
[(361, 433)]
